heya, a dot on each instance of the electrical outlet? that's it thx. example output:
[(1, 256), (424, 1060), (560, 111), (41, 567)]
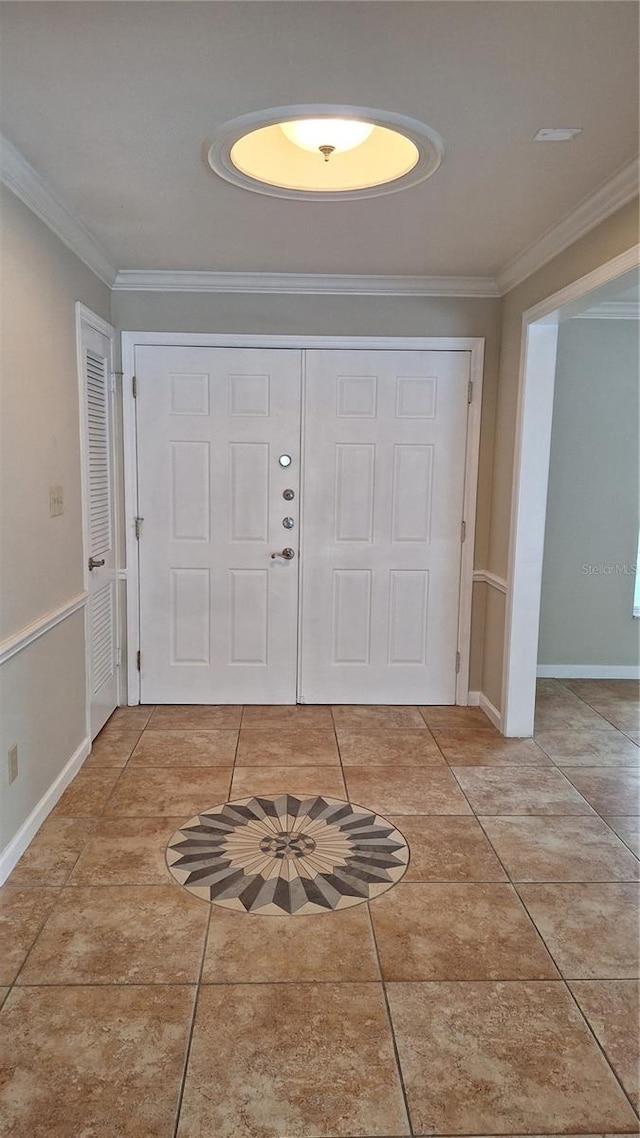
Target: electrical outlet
[(56, 501), (13, 763)]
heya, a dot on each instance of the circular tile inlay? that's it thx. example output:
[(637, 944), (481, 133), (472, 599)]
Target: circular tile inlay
[(287, 855)]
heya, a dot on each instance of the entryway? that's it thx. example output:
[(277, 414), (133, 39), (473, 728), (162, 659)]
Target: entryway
[(301, 518)]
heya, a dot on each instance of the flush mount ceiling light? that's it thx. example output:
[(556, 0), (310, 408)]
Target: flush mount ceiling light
[(323, 152)]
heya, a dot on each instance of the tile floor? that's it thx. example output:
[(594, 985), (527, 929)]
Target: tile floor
[(493, 991)]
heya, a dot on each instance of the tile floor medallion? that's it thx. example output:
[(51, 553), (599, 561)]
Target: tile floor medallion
[(287, 855)]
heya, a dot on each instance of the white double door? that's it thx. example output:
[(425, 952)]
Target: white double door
[(363, 606)]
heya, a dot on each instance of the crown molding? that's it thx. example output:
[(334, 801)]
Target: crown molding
[(622, 188), (310, 284), (26, 184), (611, 310), (21, 178)]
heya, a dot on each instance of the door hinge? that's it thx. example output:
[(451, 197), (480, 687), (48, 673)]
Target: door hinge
[(463, 532), (470, 391), (457, 662), (138, 660), (134, 386), (112, 381), (138, 527)]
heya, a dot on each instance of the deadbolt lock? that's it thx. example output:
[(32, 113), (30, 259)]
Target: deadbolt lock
[(288, 523), (288, 495)]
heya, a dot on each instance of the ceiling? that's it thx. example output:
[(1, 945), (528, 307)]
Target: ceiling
[(114, 104)]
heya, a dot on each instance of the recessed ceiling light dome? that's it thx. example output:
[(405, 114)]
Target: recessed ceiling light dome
[(324, 152)]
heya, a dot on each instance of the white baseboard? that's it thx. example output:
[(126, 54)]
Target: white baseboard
[(12, 853), (588, 671), (479, 699)]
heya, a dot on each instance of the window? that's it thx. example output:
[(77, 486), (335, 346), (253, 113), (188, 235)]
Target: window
[(637, 586)]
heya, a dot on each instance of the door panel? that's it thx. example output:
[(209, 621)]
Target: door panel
[(385, 439), (97, 432), (218, 615)]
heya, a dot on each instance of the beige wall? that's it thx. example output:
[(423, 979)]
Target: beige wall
[(618, 233), (340, 316), (592, 505), (42, 688)]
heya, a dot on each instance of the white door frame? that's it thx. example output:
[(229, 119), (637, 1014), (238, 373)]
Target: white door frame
[(86, 318), (536, 383), (131, 340)]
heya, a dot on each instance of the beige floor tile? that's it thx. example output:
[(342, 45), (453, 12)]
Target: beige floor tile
[(4, 992), (302, 1060), (53, 852), (120, 934), (112, 749), (567, 717), (597, 690), (288, 715), (482, 749), (95, 1062), (253, 949), (502, 1059), (196, 717), (608, 791), (627, 828), (307, 781), (285, 747), (593, 747), (519, 790), (125, 718), (406, 790), (401, 747), (611, 1008), (185, 749), (88, 794), (369, 717), (162, 792), (457, 932), (448, 849), (127, 851), (23, 913), (591, 930), (560, 849), (457, 719)]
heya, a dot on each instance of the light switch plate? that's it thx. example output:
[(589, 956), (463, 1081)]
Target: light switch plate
[(56, 501)]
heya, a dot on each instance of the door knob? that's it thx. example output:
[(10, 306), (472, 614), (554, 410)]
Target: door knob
[(288, 554), (94, 563)]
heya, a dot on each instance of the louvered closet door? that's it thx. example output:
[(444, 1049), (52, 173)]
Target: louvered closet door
[(100, 527), (383, 493)]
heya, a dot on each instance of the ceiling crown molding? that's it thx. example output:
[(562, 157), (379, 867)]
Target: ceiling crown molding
[(622, 188), (26, 184), (611, 310), (310, 284)]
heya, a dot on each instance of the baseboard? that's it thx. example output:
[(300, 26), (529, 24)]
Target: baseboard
[(12, 853), (588, 671), (479, 699)]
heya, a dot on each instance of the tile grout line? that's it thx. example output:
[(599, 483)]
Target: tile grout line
[(565, 981), (394, 1041), (187, 1053), (58, 890), (595, 709)]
